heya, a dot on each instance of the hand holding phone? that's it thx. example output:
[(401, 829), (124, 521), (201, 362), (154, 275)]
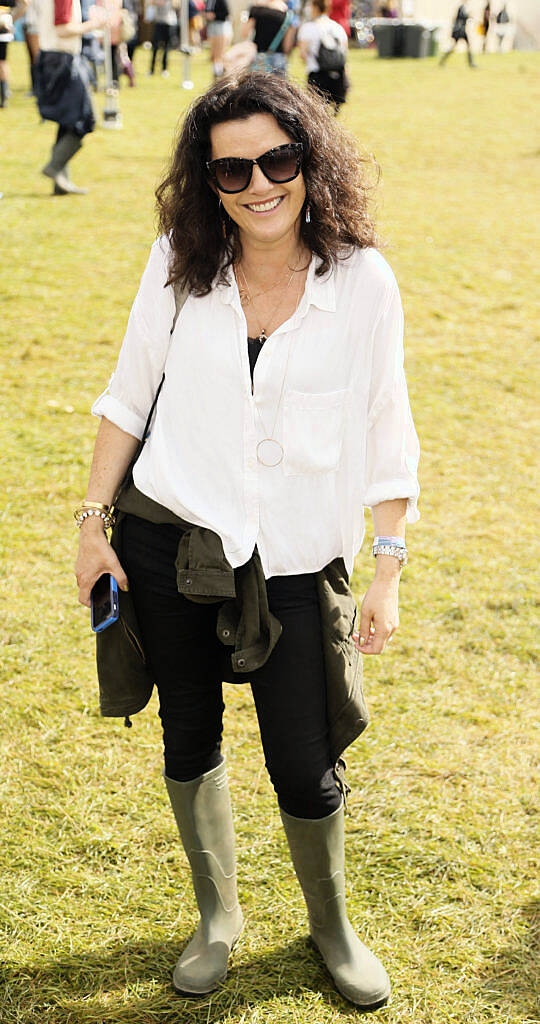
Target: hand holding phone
[(104, 602)]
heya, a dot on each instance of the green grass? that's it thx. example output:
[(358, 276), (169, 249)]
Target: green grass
[(95, 899)]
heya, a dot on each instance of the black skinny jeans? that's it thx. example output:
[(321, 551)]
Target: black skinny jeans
[(186, 659)]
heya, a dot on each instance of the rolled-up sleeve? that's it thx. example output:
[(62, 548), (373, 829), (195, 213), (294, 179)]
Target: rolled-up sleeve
[(128, 398), (393, 449)]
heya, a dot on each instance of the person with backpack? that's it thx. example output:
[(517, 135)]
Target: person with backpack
[(323, 46)]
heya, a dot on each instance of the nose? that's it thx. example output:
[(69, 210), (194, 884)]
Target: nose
[(259, 183)]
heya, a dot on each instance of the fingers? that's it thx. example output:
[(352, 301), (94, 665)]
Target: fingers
[(91, 569), (375, 641)]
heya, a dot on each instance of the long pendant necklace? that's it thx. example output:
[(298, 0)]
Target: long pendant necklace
[(270, 451), (263, 336)]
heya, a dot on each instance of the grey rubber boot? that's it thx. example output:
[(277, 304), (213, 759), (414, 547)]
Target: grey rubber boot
[(318, 854), (62, 152), (202, 809)]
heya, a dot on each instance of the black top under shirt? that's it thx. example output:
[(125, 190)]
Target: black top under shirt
[(254, 349), (268, 22)]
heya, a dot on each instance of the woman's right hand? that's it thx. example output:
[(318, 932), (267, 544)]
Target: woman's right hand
[(96, 557)]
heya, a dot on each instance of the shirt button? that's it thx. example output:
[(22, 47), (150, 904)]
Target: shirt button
[(226, 632), (241, 662), (188, 582)]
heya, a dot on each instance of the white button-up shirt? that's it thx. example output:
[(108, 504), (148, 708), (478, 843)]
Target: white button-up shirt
[(344, 419)]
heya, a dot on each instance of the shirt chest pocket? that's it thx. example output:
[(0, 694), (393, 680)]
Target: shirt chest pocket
[(313, 426)]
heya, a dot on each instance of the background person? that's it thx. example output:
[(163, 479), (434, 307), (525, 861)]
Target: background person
[(340, 11), (165, 26), (218, 32), (486, 23), (323, 47), (459, 31), (282, 411), (10, 11), (270, 25), (31, 38), (503, 24), (63, 84)]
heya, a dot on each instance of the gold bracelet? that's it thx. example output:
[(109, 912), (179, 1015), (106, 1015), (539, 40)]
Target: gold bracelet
[(94, 504), (81, 513)]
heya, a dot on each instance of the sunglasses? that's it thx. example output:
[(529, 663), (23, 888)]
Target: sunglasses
[(233, 174)]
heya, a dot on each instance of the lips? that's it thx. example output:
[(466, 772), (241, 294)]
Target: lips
[(266, 207)]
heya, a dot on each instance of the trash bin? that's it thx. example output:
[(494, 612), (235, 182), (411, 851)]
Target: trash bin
[(384, 33), (416, 40)]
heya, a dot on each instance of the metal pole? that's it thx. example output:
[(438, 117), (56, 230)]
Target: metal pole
[(184, 45)]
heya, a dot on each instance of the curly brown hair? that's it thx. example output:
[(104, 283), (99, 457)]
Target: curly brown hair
[(203, 245)]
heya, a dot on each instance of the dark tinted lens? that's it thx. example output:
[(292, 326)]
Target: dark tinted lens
[(232, 174), (281, 164)]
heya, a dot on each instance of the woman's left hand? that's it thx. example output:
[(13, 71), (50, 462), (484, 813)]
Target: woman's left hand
[(379, 617)]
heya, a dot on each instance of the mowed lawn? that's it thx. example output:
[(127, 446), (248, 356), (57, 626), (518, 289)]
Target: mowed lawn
[(96, 900)]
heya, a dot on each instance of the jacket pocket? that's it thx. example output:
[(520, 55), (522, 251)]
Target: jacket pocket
[(313, 426)]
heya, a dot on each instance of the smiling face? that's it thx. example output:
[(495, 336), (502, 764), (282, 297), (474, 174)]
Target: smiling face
[(266, 213)]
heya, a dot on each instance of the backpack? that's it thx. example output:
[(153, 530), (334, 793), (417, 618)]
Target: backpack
[(330, 56)]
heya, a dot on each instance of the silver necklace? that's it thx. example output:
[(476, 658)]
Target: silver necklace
[(270, 451)]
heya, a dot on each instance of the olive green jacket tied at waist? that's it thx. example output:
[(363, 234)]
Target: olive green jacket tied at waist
[(245, 626)]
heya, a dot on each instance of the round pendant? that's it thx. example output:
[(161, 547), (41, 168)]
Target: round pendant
[(269, 452)]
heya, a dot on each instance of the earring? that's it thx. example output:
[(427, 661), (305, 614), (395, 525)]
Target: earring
[(308, 213)]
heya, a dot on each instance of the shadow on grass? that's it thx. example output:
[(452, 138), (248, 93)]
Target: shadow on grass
[(131, 984), (512, 981)]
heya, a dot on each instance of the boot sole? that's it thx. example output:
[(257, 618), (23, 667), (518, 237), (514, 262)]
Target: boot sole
[(190, 993), (362, 1007)]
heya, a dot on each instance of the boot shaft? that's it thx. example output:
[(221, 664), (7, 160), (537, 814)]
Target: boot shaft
[(203, 813), (318, 855)]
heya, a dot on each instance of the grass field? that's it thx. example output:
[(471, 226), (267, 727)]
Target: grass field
[(95, 899)]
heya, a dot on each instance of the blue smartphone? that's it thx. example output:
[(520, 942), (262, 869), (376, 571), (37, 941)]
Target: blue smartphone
[(104, 602)]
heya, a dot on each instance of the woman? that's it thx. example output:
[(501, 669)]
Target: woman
[(459, 31), (323, 46), (62, 83), (283, 410), (218, 31), (165, 25), (270, 25)]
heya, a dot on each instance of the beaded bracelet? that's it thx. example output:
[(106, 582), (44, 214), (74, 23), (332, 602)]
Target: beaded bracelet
[(84, 512)]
